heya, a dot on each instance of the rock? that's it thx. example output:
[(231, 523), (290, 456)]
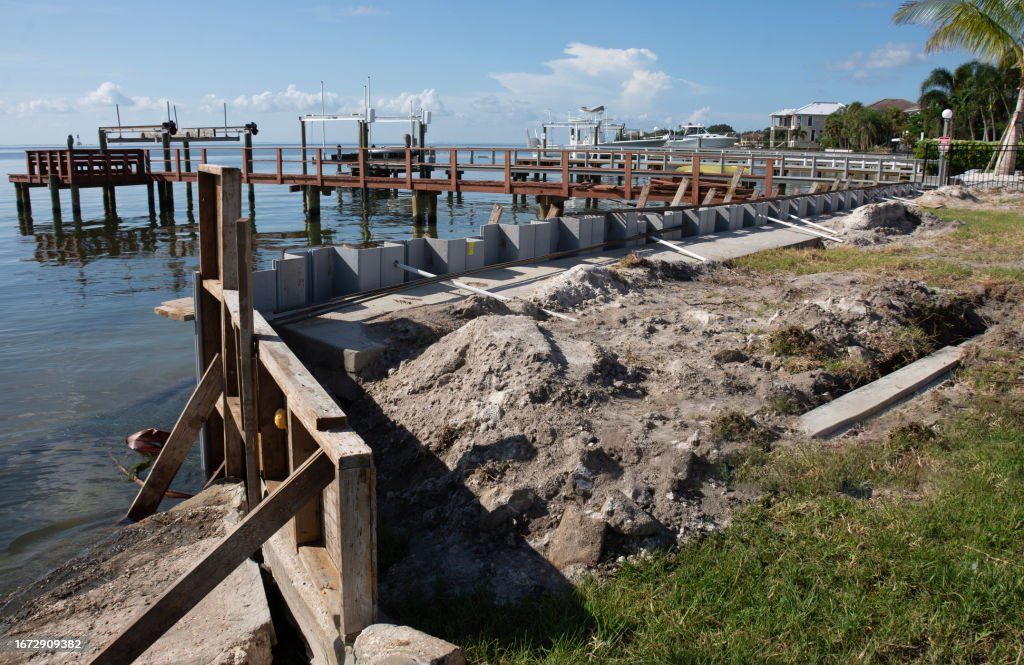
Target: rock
[(858, 353), (626, 517), (387, 644), (579, 539), (501, 506), (730, 356)]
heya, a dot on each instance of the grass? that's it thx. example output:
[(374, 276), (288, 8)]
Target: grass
[(929, 569), (970, 255)]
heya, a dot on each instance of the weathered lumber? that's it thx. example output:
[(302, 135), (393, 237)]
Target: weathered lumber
[(194, 584), (495, 216), (645, 193), (247, 361), (181, 309), (680, 195), (732, 185), (710, 196), (173, 453)]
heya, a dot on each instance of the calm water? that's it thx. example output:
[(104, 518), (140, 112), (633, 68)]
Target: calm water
[(85, 362)]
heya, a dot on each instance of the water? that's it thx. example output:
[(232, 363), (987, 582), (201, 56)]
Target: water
[(85, 362)]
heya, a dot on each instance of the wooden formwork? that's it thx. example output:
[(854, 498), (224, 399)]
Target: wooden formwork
[(309, 477)]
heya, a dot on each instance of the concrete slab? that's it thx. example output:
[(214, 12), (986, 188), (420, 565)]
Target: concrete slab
[(872, 398)]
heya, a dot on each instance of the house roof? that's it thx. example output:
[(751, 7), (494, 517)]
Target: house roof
[(814, 108), (893, 103)]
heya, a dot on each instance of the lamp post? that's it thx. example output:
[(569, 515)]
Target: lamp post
[(944, 145)]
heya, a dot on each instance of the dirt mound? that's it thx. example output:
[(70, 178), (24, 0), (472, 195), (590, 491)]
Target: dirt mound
[(879, 222), (511, 451), (578, 285), (960, 196)]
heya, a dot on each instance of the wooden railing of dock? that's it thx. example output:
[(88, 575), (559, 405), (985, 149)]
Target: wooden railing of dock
[(268, 421), (86, 167)]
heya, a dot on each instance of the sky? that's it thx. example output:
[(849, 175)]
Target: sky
[(489, 71)]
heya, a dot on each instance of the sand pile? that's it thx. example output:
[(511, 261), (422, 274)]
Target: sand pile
[(878, 223), (513, 451)]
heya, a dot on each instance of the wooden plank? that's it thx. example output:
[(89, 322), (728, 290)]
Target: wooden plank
[(306, 519), (357, 512), (179, 309), (273, 442), (495, 214), (645, 193), (680, 196), (709, 197), (247, 360), (173, 453), (203, 577), (835, 184), (306, 397), (732, 186)]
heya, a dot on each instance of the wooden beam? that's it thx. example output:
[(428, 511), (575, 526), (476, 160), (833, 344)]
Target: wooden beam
[(680, 196), (173, 453), (709, 197), (261, 523), (495, 214), (357, 515), (180, 309), (306, 518), (247, 361), (645, 193), (732, 185)]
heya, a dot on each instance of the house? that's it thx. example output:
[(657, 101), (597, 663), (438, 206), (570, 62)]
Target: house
[(802, 127), (905, 105)]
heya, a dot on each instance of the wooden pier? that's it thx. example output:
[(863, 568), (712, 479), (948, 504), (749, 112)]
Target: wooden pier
[(550, 176)]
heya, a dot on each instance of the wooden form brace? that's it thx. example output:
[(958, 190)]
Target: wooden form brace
[(314, 475)]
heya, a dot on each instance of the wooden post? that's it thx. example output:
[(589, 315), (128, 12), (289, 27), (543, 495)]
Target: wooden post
[(312, 196), (769, 172), (188, 169), (357, 561), (645, 193), (19, 195), (301, 446), (108, 190), (76, 203), (247, 360), (151, 200), (26, 200), (695, 173), (54, 184), (248, 172), (432, 208), (680, 196), (168, 186)]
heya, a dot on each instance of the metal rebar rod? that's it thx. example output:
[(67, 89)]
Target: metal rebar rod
[(677, 248), (473, 289), (805, 229), (810, 223)]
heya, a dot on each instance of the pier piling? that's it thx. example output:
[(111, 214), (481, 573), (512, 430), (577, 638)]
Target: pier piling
[(55, 195), (187, 153), (151, 199)]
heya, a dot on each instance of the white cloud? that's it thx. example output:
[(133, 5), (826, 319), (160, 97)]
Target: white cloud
[(627, 79), (357, 12), (289, 99), (405, 103), (37, 106), (700, 115), (888, 56), (107, 94)]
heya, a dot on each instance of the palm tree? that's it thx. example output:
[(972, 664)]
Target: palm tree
[(994, 30)]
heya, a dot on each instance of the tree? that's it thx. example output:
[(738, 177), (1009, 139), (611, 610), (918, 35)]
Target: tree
[(994, 30), (721, 128)]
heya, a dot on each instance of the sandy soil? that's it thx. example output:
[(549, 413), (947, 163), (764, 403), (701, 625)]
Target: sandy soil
[(514, 451)]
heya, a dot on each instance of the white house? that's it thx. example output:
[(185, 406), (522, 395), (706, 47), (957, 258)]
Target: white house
[(802, 127)]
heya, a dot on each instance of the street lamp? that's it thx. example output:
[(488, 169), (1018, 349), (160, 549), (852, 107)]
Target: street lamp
[(944, 143)]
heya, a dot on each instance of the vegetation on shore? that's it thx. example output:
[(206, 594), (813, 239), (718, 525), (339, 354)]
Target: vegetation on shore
[(906, 549)]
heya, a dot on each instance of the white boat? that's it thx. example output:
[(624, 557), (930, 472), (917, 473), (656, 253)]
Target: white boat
[(594, 130), (694, 136)]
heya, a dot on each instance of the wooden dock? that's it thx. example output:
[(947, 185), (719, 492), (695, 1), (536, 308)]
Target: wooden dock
[(551, 176)]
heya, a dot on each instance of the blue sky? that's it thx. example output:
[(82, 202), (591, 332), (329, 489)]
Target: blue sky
[(486, 70)]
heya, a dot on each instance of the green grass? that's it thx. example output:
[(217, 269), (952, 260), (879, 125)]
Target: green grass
[(931, 570), (956, 260)]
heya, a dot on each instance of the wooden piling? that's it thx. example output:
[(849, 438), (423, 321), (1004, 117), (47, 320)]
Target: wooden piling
[(150, 198), (19, 196), (188, 184), (54, 184), (26, 200), (248, 170), (168, 187), (312, 196), (108, 190)]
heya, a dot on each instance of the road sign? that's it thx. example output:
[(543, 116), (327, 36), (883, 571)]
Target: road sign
[(943, 144)]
